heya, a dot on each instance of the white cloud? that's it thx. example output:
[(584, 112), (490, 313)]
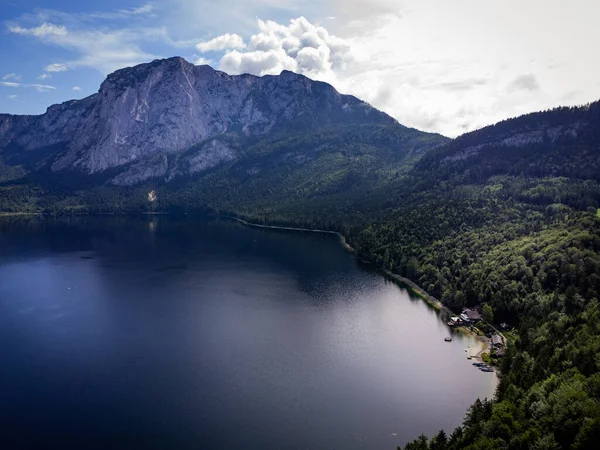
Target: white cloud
[(127, 13), (76, 88), (104, 50), (98, 39), (12, 97), (12, 76), (69, 18), (200, 61), (56, 67), (44, 76), (299, 46), (223, 42), (140, 10), (43, 31), (258, 62), (40, 87), (37, 87)]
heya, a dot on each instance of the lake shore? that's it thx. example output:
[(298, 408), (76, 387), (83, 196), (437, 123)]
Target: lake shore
[(275, 227), (483, 343), (12, 214)]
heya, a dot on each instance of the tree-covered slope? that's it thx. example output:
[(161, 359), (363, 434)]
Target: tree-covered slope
[(286, 176), (515, 226)]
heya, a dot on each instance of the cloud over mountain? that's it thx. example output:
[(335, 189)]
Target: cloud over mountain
[(223, 42), (299, 46)]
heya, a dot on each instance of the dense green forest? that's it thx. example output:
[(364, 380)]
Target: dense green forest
[(506, 216)]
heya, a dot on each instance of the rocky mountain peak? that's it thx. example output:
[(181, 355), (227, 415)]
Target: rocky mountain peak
[(170, 105)]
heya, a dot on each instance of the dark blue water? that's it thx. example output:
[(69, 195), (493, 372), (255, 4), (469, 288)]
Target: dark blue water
[(163, 333)]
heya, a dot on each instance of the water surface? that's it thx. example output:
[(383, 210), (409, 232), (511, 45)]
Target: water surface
[(165, 333)]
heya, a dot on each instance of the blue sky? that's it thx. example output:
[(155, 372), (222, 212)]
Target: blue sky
[(441, 66)]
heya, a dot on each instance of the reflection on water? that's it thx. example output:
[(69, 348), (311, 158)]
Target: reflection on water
[(164, 333)]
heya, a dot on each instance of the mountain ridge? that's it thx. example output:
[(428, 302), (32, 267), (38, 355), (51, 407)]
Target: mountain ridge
[(170, 105)]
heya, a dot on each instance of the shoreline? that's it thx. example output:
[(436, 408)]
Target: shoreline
[(276, 227), (484, 344), (12, 214)]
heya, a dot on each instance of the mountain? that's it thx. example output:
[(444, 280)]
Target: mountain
[(550, 141), (169, 118)]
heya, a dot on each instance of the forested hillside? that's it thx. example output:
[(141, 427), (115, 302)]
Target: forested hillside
[(517, 228), (507, 216)]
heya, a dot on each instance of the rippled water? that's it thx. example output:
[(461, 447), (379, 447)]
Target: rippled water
[(165, 333)]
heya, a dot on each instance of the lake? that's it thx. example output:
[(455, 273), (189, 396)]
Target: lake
[(155, 332)]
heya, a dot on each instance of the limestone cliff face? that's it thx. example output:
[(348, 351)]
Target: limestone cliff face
[(144, 113)]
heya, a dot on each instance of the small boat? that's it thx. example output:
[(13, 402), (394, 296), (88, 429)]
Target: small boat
[(448, 339), (479, 364), (486, 369)]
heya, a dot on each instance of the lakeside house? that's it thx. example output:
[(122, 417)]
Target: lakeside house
[(470, 316), (497, 341), (454, 320)]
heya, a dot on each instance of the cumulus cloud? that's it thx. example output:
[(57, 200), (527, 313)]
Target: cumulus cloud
[(258, 62), (76, 88), (44, 76), (299, 46), (37, 87), (223, 42)]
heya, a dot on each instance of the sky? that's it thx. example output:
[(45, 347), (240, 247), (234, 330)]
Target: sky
[(445, 66)]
